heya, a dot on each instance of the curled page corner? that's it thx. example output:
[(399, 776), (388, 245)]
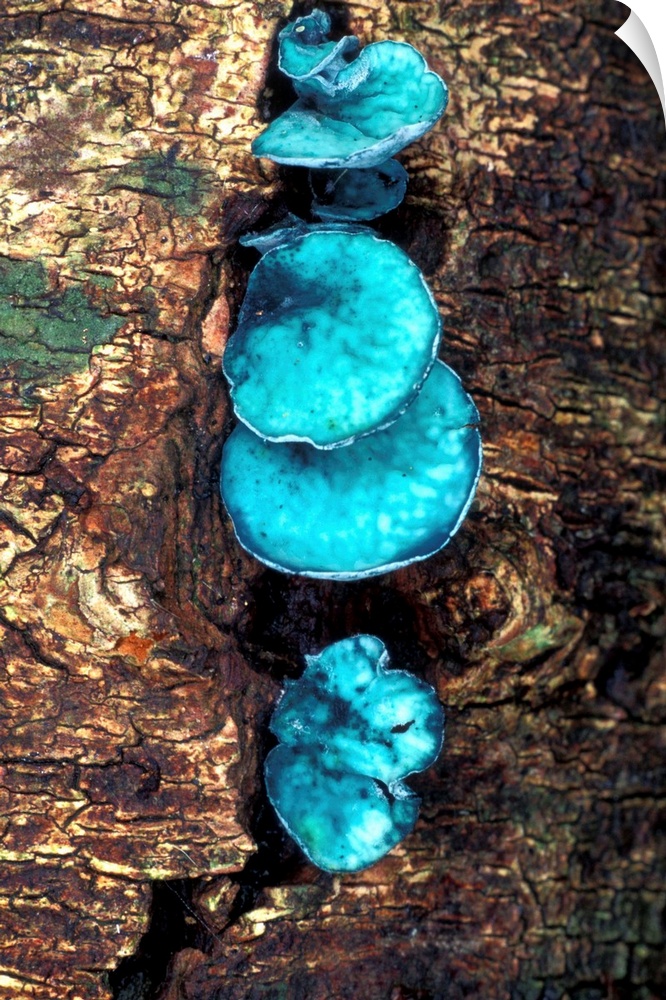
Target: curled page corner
[(644, 34)]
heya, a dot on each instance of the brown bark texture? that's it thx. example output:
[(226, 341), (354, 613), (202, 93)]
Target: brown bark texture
[(142, 648)]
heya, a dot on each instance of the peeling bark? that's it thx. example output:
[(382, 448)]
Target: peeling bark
[(142, 649)]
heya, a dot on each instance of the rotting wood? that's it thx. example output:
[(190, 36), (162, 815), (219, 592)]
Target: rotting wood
[(142, 649)]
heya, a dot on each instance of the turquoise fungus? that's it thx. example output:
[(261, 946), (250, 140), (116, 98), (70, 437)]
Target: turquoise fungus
[(350, 730), (305, 49), (354, 109), (357, 451), (336, 335), (386, 500), (357, 195)]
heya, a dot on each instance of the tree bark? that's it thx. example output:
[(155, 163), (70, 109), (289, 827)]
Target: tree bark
[(142, 649)]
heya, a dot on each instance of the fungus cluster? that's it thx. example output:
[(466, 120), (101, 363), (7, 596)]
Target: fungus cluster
[(350, 731), (357, 451)]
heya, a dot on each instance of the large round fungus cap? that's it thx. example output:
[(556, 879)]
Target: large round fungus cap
[(336, 335), (372, 108), (350, 730), (387, 500)]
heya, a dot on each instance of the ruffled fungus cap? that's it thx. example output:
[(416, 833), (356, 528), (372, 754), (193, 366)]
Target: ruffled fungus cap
[(349, 114), (350, 731)]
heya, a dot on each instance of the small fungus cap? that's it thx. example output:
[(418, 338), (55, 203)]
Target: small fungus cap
[(336, 334), (357, 195), (343, 822), (304, 49), (359, 115), (350, 730), (371, 720), (388, 499)]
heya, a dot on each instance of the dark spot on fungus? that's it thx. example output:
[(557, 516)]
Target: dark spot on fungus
[(402, 727)]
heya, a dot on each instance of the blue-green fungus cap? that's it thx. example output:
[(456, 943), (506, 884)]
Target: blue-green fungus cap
[(388, 499), (357, 195), (350, 731), (366, 718), (366, 112), (305, 50), (336, 334)]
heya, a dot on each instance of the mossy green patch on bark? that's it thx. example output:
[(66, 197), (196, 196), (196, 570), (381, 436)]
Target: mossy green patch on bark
[(43, 332), (162, 176)]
